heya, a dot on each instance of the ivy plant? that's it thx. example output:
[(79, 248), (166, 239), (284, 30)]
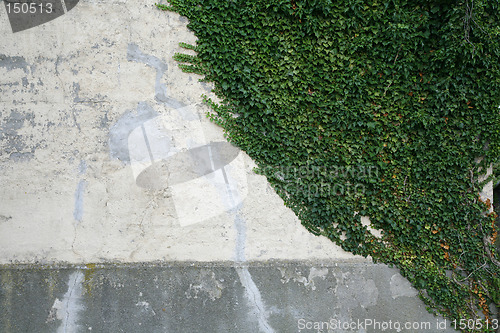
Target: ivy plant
[(385, 109)]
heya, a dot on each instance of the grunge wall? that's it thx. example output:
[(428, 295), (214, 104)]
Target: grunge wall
[(123, 209)]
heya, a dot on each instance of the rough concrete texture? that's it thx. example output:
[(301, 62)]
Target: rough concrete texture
[(208, 297), (106, 153)]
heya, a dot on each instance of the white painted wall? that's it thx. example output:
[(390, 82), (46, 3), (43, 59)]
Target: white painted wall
[(104, 72)]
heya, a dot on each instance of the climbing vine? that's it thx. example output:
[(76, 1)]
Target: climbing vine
[(385, 109)]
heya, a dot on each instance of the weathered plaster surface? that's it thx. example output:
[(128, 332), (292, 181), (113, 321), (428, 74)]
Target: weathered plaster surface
[(97, 87), (211, 297)]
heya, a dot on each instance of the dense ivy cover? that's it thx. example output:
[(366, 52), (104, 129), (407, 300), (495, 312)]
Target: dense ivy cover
[(386, 109)]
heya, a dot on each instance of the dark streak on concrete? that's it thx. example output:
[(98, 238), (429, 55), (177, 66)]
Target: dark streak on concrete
[(4, 218)]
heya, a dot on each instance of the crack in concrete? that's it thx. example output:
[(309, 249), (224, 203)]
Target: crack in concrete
[(74, 241), (255, 298), (252, 292), (68, 314), (70, 304)]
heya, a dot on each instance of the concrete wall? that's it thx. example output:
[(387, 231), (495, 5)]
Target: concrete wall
[(212, 297), (123, 209), (80, 97)]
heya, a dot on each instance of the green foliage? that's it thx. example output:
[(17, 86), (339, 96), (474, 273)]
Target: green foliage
[(383, 108)]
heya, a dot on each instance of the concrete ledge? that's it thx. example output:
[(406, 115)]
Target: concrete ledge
[(274, 296)]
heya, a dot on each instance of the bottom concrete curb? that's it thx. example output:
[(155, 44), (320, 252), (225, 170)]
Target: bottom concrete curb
[(212, 297)]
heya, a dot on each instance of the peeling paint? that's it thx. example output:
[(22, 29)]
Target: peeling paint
[(15, 121), (13, 143), (76, 92), (10, 84), (197, 297), (145, 307), (290, 273), (37, 194), (241, 230), (251, 291), (79, 194), (88, 101), (14, 62), (207, 284)]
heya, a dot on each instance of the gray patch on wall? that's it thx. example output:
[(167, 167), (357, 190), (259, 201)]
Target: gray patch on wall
[(79, 193), (11, 142), (21, 157), (15, 62), (4, 218), (120, 131), (134, 54), (14, 122)]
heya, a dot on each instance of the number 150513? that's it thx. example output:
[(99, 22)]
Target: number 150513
[(28, 8), (472, 324)]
